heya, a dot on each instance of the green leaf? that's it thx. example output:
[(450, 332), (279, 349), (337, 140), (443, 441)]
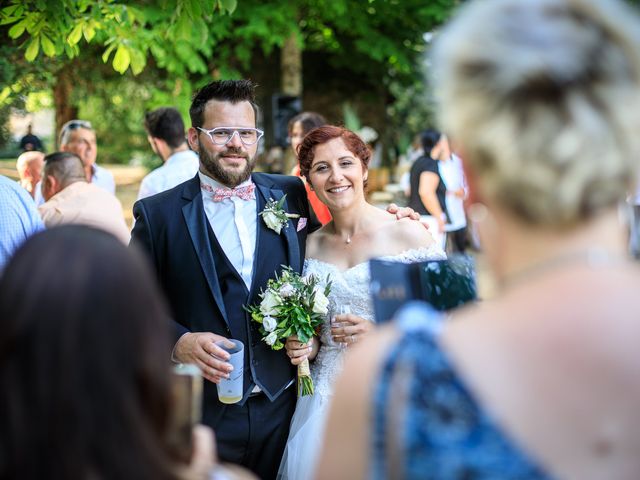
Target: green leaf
[(89, 31), (76, 34), (138, 61), (48, 47), (32, 49), (107, 52), (228, 5), (17, 29), (122, 59)]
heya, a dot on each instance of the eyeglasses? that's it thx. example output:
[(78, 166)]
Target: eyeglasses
[(73, 124), (223, 135)]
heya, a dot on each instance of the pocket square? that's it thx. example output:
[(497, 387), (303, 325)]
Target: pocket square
[(302, 222)]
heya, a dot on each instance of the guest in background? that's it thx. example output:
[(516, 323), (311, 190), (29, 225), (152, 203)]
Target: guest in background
[(541, 381), (69, 198), (79, 137), (30, 141), (166, 135), (299, 126), (427, 191), (85, 384), (452, 174), (19, 218), (29, 167)]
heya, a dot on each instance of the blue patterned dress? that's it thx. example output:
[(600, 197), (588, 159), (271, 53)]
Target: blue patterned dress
[(427, 425)]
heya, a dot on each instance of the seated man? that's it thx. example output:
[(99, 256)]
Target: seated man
[(71, 199), (29, 167)]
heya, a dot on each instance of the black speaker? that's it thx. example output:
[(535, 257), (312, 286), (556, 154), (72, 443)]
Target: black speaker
[(283, 109)]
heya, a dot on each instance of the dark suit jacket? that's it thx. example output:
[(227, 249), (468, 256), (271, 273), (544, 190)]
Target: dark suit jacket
[(173, 229)]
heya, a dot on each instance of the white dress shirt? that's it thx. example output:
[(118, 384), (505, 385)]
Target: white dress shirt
[(179, 167), (234, 222), (453, 177), (103, 178)]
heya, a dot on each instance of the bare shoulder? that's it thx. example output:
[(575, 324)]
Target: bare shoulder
[(316, 243), (411, 234)]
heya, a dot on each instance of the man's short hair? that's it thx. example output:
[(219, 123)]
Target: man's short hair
[(66, 167), (166, 123), (68, 127), (234, 91)]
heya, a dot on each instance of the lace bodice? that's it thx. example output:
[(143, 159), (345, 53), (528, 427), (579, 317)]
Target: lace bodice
[(349, 287)]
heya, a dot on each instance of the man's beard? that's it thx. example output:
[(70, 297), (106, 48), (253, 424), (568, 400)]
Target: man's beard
[(212, 166)]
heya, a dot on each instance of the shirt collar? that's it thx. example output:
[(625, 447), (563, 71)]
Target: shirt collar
[(215, 184)]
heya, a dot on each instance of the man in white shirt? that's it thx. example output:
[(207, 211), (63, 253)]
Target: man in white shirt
[(166, 135), (79, 138)]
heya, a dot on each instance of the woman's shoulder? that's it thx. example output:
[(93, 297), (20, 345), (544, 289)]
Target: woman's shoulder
[(410, 234)]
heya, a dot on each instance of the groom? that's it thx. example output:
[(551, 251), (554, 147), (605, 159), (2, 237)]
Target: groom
[(213, 254)]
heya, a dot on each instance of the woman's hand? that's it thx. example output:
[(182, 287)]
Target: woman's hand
[(349, 329), (298, 351)]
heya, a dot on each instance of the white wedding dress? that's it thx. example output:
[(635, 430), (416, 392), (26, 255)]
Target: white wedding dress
[(349, 287)]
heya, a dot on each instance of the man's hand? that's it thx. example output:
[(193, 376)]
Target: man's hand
[(200, 349), (403, 212), (298, 351)]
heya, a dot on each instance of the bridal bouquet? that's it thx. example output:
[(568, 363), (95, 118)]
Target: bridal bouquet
[(292, 305)]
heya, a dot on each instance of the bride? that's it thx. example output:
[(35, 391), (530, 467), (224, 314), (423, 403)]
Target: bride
[(334, 161)]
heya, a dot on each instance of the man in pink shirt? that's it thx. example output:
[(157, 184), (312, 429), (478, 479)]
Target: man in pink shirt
[(71, 199)]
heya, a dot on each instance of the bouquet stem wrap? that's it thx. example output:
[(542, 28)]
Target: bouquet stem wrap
[(305, 384)]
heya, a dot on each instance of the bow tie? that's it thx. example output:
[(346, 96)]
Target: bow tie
[(219, 194)]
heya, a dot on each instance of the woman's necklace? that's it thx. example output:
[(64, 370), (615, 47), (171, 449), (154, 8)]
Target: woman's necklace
[(593, 258), (348, 240)]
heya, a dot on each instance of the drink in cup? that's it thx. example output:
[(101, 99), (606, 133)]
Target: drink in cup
[(230, 389)]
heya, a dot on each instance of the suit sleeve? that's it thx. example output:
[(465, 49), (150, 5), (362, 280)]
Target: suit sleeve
[(142, 239)]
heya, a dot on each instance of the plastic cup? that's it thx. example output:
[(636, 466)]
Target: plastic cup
[(341, 310), (230, 389)]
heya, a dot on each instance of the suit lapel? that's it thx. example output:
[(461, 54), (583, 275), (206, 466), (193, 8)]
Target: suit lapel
[(263, 234), (197, 222)]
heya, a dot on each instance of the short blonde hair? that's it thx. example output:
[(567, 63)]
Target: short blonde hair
[(544, 97)]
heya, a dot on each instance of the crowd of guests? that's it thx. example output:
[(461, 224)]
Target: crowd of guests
[(541, 98)]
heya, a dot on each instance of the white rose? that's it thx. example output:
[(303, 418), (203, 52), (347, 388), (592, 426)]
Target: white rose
[(269, 324), (272, 221), (269, 303), (271, 338), (320, 302), (286, 290)]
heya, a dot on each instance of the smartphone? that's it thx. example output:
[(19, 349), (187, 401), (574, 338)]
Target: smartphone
[(186, 409)]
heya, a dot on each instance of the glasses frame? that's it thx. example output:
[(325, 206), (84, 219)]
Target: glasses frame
[(235, 130)]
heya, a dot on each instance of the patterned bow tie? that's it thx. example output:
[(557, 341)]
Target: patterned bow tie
[(219, 194)]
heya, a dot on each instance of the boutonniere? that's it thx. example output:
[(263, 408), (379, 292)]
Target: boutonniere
[(274, 215)]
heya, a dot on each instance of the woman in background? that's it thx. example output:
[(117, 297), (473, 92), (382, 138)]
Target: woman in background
[(299, 126), (427, 190), (543, 97)]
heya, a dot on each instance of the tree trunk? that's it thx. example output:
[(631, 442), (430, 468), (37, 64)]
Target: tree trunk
[(62, 89), (291, 66)]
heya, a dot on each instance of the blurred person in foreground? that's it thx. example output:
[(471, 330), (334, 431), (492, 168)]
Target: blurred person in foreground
[(79, 137), (166, 135), (69, 198), (19, 218), (543, 97), (29, 166), (85, 384), (299, 126)]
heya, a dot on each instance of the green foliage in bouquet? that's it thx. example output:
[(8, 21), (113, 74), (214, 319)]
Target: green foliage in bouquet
[(292, 305)]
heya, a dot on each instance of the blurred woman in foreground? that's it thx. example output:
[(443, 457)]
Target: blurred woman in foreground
[(85, 384), (544, 98)]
